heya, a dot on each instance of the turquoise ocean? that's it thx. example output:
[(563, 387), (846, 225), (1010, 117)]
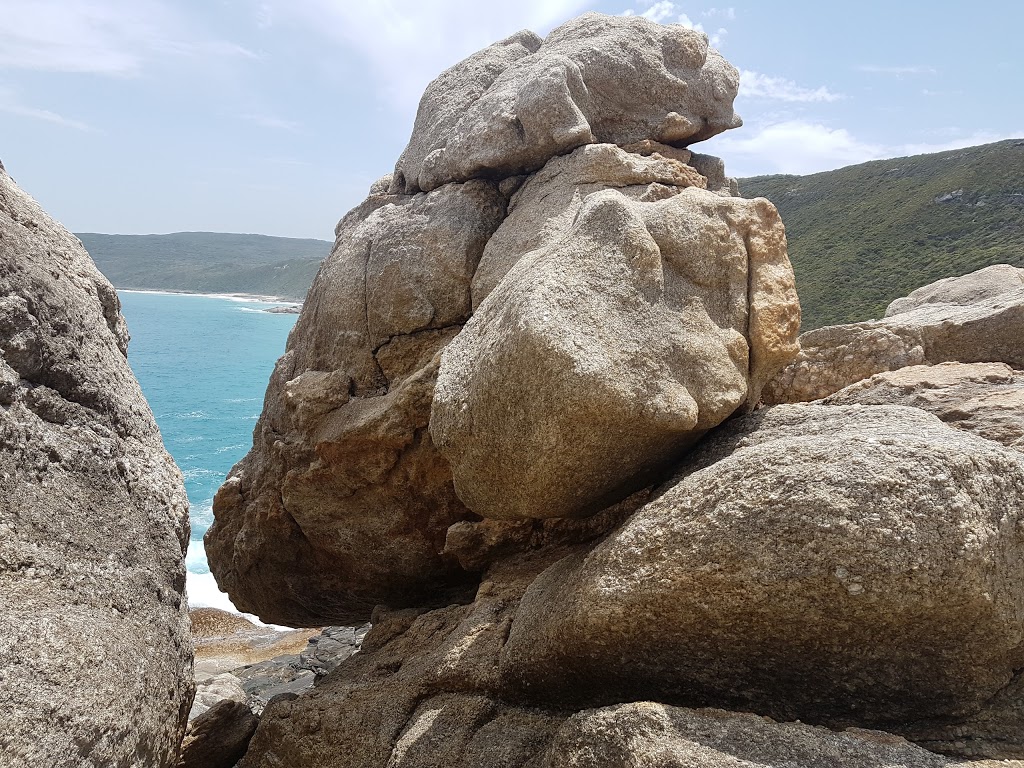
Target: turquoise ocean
[(203, 363)]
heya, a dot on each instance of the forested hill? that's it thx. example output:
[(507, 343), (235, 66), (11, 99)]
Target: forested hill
[(208, 262), (864, 235)]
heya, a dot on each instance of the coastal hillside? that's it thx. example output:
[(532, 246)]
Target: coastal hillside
[(208, 262), (863, 235)]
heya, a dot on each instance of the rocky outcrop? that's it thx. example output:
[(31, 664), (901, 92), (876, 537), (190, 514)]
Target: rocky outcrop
[(595, 79), (487, 421), (984, 398), (976, 318), (225, 641), (95, 656), (347, 498)]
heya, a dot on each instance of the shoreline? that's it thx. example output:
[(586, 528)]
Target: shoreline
[(250, 297)]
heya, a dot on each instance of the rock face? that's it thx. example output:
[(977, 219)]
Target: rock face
[(348, 496), (800, 567), (976, 318), (343, 481), (95, 655), (595, 79), (601, 355)]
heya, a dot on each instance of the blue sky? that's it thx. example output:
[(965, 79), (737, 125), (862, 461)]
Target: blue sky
[(136, 116)]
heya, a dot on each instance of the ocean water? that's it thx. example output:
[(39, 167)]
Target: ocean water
[(203, 363)]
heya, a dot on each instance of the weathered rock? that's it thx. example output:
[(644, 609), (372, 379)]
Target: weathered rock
[(984, 398), (713, 169), (512, 107), (421, 692), (327, 650), (845, 565), (986, 283), (266, 679), (214, 689), (648, 734), (95, 654), (836, 356), (344, 502), (219, 737), (977, 318), (604, 353), (545, 207)]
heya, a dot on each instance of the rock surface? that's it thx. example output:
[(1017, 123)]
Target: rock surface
[(810, 563), (95, 653), (605, 352), (595, 79), (344, 502), (219, 737), (210, 690), (646, 734), (976, 318), (988, 283), (984, 398)]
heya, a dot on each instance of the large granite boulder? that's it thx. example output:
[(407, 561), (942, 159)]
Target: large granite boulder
[(596, 78), (345, 500), (848, 565), (605, 352), (95, 653), (976, 318)]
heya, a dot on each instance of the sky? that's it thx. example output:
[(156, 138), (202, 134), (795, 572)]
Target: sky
[(148, 116)]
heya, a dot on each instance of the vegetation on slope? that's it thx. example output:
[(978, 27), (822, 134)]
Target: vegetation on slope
[(208, 262), (862, 236)]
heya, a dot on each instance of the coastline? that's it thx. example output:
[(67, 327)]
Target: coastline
[(247, 297)]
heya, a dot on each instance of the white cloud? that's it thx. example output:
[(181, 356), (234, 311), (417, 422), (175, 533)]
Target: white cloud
[(659, 11), (10, 104), (664, 11), (269, 121), (408, 42), (726, 13), (802, 147), (883, 70), (756, 85), (792, 146), (107, 37), (969, 140)]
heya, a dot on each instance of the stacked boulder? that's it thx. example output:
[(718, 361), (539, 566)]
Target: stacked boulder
[(515, 428), (95, 649)]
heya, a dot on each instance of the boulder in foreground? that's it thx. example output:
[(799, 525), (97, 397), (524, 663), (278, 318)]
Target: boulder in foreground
[(95, 655), (811, 562)]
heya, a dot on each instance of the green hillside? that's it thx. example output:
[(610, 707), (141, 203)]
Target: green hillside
[(861, 236), (208, 262)]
